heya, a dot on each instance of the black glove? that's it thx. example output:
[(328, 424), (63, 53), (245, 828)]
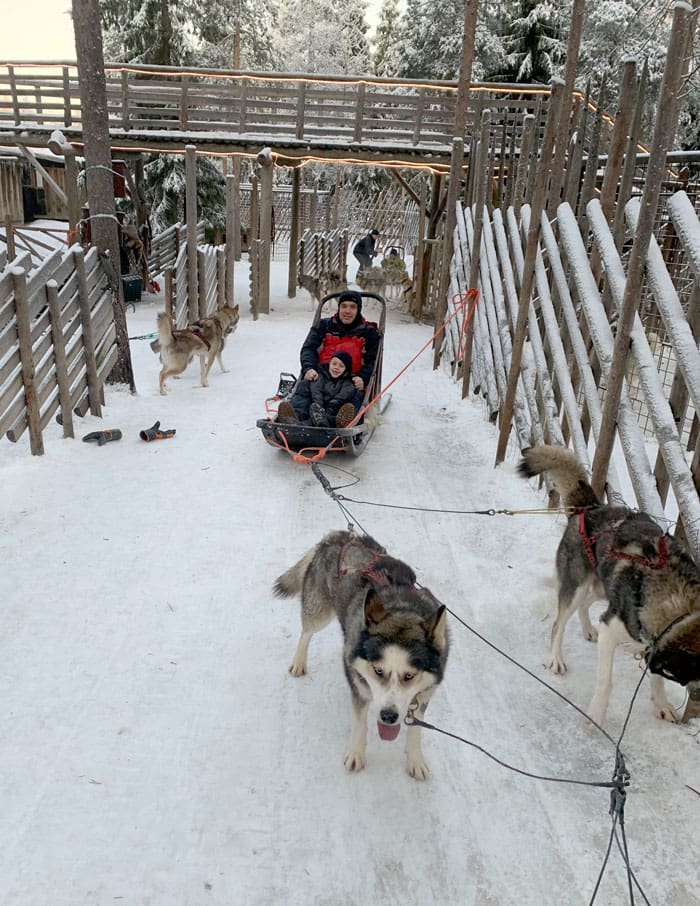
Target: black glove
[(104, 437), (156, 432)]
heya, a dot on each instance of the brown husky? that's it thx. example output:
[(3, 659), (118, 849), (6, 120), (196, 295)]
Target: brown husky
[(649, 579), (205, 338), (395, 634), (325, 283)]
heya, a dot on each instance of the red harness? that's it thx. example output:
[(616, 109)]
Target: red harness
[(589, 542), (368, 571), (195, 331)]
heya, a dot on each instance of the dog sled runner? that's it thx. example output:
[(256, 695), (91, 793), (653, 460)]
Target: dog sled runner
[(351, 440)]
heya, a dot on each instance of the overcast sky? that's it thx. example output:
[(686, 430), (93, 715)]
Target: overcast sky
[(43, 30)]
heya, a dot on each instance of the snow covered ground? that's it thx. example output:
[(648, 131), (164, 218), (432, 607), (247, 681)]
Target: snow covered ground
[(157, 753)]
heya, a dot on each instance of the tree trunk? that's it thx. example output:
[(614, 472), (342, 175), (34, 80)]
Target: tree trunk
[(98, 168)]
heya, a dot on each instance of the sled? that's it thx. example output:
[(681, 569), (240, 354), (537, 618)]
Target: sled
[(351, 440)]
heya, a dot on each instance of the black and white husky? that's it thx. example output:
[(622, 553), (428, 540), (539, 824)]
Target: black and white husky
[(395, 635), (650, 581)]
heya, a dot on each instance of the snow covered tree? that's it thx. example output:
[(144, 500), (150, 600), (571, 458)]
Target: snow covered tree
[(532, 43), (323, 36), (432, 43), (144, 31), (188, 32), (387, 40), (164, 183), (214, 22)]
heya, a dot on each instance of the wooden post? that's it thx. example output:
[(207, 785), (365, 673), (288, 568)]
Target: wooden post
[(191, 222), (221, 286), (24, 336), (664, 132), (266, 173), (483, 178), (618, 141), (524, 161), (230, 257), (533, 236), (93, 381), (59, 354), (561, 141), (168, 291), (419, 254), (456, 162), (201, 285), (630, 161), (10, 238), (294, 235)]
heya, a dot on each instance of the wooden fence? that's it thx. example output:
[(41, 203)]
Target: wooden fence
[(57, 342), (321, 253), (579, 285)]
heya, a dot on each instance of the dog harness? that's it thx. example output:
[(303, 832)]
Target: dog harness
[(368, 571), (589, 542), (196, 331)]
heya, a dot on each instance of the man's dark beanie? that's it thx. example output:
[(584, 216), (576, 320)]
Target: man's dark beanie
[(345, 358), (351, 296)]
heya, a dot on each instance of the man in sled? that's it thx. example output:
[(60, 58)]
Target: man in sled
[(347, 331)]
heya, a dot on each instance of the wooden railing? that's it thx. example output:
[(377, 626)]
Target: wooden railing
[(258, 108)]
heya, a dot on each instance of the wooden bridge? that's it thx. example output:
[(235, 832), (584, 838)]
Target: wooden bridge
[(326, 117)]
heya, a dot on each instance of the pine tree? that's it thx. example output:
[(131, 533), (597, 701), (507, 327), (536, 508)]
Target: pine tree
[(387, 40), (323, 36), (532, 44)]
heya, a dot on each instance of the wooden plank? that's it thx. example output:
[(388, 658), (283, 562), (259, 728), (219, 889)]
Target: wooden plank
[(31, 402)]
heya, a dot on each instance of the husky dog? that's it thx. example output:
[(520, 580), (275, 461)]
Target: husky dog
[(325, 283), (205, 338), (372, 279), (396, 641), (649, 579)]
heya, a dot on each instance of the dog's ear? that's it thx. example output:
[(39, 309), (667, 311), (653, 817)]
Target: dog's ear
[(436, 627), (374, 609)]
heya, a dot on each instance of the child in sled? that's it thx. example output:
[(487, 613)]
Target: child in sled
[(323, 402)]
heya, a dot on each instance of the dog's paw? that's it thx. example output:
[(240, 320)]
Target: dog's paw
[(355, 761), (557, 665), (417, 768), (298, 668), (665, 711), (590, 635)]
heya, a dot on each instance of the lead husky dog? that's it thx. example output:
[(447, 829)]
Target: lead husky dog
[(651, 583), (205, 338), (395, 635)]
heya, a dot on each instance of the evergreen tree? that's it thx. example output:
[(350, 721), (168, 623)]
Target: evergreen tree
[(532, 44), (144, 31), (387, 40), (164, 184), (323, 36)]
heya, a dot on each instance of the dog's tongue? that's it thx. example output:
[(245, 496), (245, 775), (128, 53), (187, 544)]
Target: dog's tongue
[(387, 732)]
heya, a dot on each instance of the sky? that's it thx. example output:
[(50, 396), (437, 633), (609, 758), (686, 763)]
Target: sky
[(155, 750), (43, 29), (37, 30)]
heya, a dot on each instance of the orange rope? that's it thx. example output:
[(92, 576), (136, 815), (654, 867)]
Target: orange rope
[(463, 298), (465, 323)]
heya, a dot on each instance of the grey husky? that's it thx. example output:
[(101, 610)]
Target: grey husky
[(205, 338), (649, 579), (396, 642)]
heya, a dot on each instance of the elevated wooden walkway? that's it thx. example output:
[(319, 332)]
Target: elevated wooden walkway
[(327, 117)]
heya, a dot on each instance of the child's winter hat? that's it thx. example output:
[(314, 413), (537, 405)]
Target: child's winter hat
[(345, 358)]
